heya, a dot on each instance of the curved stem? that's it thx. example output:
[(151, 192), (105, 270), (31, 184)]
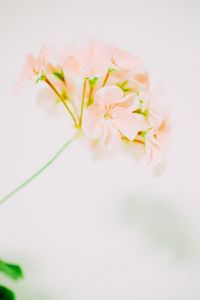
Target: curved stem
[(106, 78), (61, 98), (37, 173)]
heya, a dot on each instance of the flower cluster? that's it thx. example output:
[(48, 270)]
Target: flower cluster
[(106, 92)]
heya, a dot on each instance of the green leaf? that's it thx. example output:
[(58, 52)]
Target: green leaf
[(145, 113), (41, 77), (123, 86), (11, 270), (59, 75), (6, 294), (143, 134)]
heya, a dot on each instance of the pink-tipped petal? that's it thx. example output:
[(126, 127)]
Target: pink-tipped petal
[(143, 79)]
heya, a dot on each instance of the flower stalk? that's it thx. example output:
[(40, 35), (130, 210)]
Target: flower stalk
[(106, 78), (82, 102), (38, 172), (62, 99)]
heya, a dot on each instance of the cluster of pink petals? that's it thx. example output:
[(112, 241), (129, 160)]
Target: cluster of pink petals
[(111, 116), (107, 92)]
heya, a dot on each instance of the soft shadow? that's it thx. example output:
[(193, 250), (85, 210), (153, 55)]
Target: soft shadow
[(159, 223)]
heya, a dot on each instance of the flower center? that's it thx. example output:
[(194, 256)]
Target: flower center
[(107, 116)]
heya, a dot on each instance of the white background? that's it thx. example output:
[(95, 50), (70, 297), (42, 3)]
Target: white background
[(106, 229)]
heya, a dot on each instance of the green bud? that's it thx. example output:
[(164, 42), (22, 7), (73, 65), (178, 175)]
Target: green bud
[(92, 81), (143, 134)]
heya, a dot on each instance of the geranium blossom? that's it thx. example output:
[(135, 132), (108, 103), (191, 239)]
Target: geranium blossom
[(106, 91), (33, 67), (91, 59), (111, 116), (123, 60)]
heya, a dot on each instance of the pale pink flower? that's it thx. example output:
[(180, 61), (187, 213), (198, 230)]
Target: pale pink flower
[(49, 100), (33, 67), (111, 116), (151, 106), (94, 58), (123, 60), (157, 141), (90, 59)]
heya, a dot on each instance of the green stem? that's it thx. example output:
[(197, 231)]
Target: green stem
[(82, 102), (62, 99), (106, 78), (37, 173), (75, 108), (90, 95)]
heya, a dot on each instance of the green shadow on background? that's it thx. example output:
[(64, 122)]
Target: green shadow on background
[(158, 222)]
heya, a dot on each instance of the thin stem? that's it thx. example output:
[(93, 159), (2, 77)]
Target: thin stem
[(106, 78), (74, 107), (37, 173), (90, 95), (82, 102), (62, 99), (138, 141)]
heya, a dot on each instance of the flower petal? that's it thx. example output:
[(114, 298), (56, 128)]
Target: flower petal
[(143, 79), (128, 123), (108, 95), (113, 138), (126, 61), (154, 150), (93, 122), (88, 59), (130, 102), (27, 73)]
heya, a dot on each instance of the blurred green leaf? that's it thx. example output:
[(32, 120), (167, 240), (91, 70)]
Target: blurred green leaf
[(6, 294), (41, 77), (11, 270), (93, 81), (59, 75)]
